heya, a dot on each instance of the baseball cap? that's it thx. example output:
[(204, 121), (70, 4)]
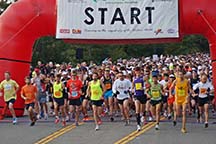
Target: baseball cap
[(171, 76)]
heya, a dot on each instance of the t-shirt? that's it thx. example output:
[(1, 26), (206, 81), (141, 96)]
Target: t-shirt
[(9, 88), (74, 87), (203, 88), (122, 86), (29, 91)]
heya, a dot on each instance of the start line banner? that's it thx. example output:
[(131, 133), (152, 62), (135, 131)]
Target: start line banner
[(117, 19)]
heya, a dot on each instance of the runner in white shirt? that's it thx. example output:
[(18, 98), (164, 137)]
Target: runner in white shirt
[(205, 88), (121, 88)]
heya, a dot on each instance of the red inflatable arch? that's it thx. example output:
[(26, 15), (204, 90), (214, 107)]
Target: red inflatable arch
[(27, 20)]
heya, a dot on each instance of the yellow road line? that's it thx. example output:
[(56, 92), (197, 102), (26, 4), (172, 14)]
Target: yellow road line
[(135, 134), (132, 134), (56, 134)]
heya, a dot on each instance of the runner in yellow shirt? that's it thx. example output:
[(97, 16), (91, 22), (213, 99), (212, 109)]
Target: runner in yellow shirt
[(96, 90), (10, 88), (182, 88)]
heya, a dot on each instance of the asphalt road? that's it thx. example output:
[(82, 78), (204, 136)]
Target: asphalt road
[(45, 131)]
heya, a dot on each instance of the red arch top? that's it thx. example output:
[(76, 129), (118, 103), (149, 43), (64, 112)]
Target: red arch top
[(27, 20)]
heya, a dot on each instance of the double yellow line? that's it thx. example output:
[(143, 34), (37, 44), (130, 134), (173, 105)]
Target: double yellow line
[(135, 134), (56, 134)]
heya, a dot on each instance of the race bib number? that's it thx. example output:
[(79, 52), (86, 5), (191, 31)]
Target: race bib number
[(95, 92), (155, 94), (74, 94), (7, 87), (57, 93), (203, 90), (108, 86), (181, 93), (138, 86)]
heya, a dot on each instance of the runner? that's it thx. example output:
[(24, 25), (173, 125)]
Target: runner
[(121, 88), (28, 93), (65, 78), (74, 86), (155, 92), (205, 88), (139, 97), (108, 95), (10, 88), (171, 95), (95, 90), (85, 99), (59, 100), (194, 96), (164, 82), (182, 88)]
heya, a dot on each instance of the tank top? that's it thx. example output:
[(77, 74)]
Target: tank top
[(155, 92), (138, 85), (96, 90), (181, 89), (57, 90), (108, 84)]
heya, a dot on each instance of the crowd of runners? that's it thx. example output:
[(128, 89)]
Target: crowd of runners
[(147, 88)]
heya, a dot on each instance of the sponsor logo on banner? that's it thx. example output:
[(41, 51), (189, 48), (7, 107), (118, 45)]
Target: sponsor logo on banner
[(158, 31), (76, 31), (148, 29), (171, 31), (63, 31), (162, 0)]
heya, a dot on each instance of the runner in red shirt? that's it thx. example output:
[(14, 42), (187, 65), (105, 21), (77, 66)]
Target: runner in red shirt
[(74, 86)]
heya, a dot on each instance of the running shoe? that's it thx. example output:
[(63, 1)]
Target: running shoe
[(14, 121), (174, 123), (157, 127), (138, 128), (127, 122), (111, 119), (57, 120), (206, 124), (32, 123), (97, 127), (63, 123), (183, 130)]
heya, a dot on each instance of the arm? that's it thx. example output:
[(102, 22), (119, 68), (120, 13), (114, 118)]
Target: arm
[(190, 89), (172, 86), (114, 87), (103, 87), (194, 88), (16, 87), (162, 90), (147, 93), (88, 92), (22, 94)]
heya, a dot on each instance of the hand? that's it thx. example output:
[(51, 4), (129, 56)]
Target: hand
[(102, 98), (170, 96)]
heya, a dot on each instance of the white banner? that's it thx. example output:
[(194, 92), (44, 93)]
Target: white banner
[(117, 19)]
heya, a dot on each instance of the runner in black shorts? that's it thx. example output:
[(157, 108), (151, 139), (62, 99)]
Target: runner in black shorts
[(74, 86), (139, 97), (205, 88)]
